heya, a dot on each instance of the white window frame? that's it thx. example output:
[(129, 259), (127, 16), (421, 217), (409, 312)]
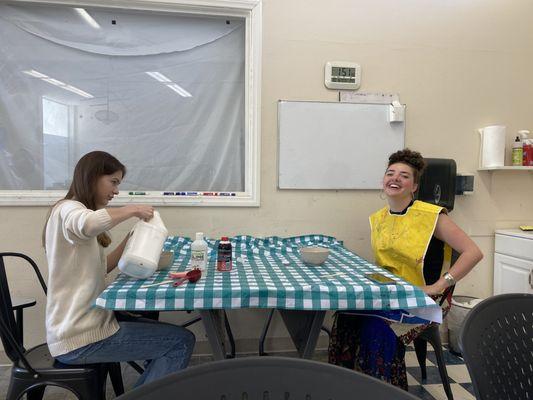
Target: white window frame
[(250, 10)]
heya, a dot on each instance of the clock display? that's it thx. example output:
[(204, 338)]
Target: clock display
[(343, 72)]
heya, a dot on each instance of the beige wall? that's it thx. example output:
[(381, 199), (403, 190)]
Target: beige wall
[(458, 65)]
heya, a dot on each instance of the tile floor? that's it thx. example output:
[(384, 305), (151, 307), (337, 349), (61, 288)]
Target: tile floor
[(431, 389)]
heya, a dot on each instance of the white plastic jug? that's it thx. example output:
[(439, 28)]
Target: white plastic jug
[(143, 249)]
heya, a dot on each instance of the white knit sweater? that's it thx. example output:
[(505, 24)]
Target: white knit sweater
[(76, 273)]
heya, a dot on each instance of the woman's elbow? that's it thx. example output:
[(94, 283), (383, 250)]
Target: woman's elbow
[(477, 255)]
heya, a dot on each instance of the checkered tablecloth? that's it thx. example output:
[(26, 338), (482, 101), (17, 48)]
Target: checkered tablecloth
[(267, 273)]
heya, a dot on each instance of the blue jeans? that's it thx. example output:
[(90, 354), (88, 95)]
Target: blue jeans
[(168, 346)]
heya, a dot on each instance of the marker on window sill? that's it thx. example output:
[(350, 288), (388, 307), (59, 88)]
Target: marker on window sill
[(137, 193), (226, 194), (168, 193), (209, 193)]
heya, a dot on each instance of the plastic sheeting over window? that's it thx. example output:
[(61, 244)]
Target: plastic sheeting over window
[(162, 92)]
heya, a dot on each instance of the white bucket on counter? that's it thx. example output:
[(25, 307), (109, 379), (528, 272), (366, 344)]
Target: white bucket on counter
[(143, 249)]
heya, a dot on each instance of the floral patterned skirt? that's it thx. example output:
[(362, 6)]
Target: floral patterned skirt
[(373, 345)]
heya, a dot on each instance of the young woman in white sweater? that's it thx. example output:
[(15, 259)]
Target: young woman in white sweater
[(74, 237)]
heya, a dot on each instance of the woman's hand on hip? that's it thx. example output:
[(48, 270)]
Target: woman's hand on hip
[(433, 290)]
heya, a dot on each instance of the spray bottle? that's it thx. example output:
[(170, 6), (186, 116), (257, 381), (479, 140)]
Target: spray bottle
[(518, 151), (518, 148), (527, 148)]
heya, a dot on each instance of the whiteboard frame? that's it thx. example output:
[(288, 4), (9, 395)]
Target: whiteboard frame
[(283, 178)]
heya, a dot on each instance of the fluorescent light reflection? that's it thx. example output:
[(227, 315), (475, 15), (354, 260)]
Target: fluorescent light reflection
[(158, 76), (55, 82), (179, 90), (35, 74), (87, 17)]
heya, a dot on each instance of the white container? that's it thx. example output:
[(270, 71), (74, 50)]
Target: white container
[(143, 249), (199, 252), (492, 152), (461, 306)]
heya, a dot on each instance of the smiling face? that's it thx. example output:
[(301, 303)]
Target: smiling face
[(399, 181), (107, 188)]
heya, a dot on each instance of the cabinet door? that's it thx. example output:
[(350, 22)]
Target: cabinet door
[(512, 275)]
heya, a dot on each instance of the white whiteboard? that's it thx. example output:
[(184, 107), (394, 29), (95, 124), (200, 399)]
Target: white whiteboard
[(335, 145)]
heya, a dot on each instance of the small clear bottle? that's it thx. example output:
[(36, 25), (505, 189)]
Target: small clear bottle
[(224, 261), (199, 252)]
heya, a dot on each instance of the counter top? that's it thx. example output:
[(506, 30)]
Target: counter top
[(515, 232)]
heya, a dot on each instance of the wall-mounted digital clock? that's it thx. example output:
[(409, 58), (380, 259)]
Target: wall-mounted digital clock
[(342, 75)]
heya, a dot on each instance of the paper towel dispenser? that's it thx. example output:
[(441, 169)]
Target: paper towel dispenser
[(437, 183)]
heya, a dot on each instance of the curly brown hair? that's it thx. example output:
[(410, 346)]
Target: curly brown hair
[(412, 158)]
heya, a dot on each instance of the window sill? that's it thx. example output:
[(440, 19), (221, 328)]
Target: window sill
[(48, 198)]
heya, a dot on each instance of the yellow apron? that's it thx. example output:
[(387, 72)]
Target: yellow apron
[(400, 242)]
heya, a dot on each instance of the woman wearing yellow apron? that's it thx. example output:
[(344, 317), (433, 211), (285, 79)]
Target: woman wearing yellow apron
[(413, 240)]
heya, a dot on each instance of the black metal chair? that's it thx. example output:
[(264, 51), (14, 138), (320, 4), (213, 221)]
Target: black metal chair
[(437, 186), (497, 344), (267, 378), (432, 336), (19, 304), (34, 369)]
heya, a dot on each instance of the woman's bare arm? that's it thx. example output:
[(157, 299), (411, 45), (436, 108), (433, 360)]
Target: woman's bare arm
[(469, 253)]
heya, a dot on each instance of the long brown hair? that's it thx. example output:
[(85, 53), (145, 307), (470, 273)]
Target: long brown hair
[(88, 170)]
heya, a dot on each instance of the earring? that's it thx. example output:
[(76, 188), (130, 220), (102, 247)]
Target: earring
[(382, 195)]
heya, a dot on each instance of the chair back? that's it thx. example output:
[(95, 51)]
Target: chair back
[(7, 317), (8, 326), (497, 345), (267, 378)]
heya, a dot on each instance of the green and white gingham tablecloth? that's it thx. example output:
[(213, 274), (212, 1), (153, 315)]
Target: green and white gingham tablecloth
[(268, 273)]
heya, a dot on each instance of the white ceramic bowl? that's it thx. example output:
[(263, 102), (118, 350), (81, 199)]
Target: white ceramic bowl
[(314, 255)]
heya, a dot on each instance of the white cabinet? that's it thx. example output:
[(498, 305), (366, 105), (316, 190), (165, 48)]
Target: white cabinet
[(513, 262)]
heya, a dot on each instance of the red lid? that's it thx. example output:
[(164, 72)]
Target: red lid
[(224, 239)]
